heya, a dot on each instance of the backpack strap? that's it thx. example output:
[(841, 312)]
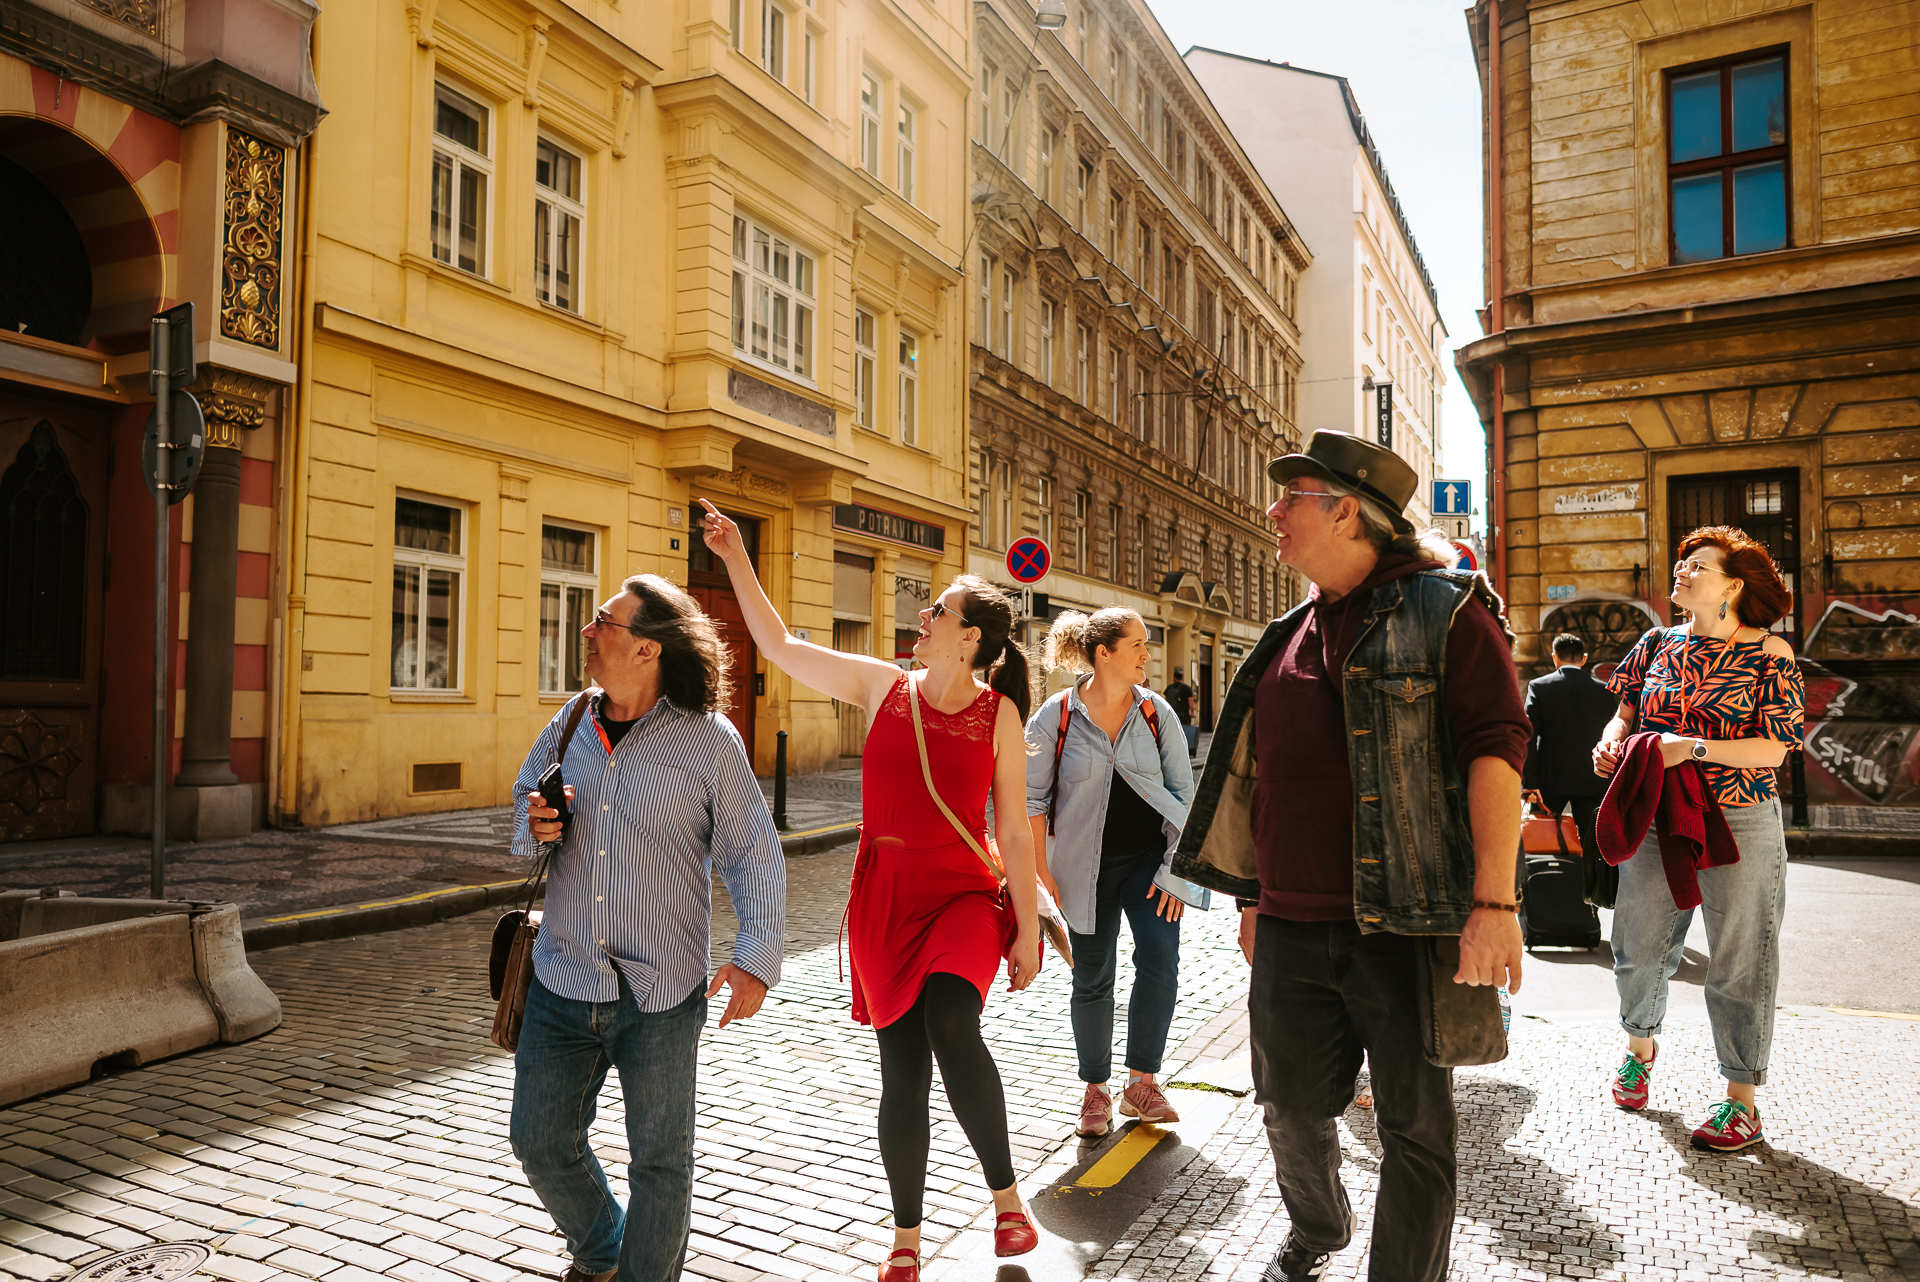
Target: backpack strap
[(573, 721), (1059, 748), (1152, 715)]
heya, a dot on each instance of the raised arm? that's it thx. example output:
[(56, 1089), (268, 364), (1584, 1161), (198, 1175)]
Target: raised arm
[(850, 678)]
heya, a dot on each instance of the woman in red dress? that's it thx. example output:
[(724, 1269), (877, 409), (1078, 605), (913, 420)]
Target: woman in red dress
[(926, 927)]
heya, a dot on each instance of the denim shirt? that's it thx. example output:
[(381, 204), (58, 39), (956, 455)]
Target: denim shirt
[(1412, 837), (1161, 773)]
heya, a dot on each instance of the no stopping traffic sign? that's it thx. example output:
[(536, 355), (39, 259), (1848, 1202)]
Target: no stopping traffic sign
[(1028, 560)]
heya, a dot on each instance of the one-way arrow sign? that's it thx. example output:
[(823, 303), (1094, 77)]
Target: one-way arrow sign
[(1452, 498)]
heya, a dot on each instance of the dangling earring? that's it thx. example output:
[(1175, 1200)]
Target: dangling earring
[(1723, 609)]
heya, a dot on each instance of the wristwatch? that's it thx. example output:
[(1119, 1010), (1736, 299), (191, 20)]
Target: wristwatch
[(1699, 749)]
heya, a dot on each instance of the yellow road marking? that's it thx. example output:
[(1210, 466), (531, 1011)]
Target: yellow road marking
[(813, 832), (404, 899), (1871, 1014), (1121, 1158)]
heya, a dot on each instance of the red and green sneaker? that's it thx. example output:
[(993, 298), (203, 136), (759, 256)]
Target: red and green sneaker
[(1631, 1080), (1730, 1127)]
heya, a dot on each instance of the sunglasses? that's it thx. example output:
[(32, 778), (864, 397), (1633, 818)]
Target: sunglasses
[(1689, 569), (1293, 494), (940, 608)]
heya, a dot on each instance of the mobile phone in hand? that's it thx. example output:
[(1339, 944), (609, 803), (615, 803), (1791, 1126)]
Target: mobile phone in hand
[(553, 788)]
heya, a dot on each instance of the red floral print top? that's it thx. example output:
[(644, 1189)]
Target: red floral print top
[(1713, 689)]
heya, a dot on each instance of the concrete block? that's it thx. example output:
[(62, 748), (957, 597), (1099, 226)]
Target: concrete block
[(126, 980)]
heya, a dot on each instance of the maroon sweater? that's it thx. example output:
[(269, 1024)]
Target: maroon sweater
[(1303, 803)]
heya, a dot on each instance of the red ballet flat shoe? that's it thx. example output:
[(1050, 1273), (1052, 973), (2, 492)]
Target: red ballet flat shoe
[(908, 1272), (1013, 1233)]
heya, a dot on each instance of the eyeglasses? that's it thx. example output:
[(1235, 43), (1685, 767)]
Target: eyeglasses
[(940, 608), (601, 619), (1293, 494), (1688, 569)]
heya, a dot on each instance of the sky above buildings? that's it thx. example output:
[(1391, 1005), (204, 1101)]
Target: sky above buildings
[(1412, 69)]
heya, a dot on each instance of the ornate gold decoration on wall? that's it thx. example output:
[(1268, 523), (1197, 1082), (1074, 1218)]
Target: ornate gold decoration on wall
[(141, 15), (232, 403), (250, 267)]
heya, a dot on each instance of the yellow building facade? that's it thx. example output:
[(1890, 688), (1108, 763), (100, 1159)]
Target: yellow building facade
[(563, 278)]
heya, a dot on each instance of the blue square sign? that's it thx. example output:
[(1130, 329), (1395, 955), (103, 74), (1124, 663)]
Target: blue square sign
[(1452, 498)]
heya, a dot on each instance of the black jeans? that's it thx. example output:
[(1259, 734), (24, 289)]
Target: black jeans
[(1323, 995)]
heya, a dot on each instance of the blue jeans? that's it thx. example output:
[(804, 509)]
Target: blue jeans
[(1156, 977), (1743, 903), (566, 1048)]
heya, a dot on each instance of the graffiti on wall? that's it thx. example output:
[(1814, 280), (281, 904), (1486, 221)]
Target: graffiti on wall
[(1862, 669)]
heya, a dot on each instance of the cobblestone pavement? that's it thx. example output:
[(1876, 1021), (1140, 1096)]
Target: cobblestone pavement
[(1556, 1183), (280, 871), (367, 1136)]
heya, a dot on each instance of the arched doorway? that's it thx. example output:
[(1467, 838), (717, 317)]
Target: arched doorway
[(80, 271)]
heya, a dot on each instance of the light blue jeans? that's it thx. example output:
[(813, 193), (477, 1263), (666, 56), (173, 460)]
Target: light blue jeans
[(566, 1050), (1743, 904)]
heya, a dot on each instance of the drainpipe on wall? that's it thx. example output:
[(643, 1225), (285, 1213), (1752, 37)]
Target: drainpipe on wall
[(1497, 306), (301, 422)]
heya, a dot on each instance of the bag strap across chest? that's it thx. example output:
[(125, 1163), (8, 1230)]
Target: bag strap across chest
[(1147, 710), (926, 773)]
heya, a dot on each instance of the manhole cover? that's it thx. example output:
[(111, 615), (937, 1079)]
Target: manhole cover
[(148, 1264)]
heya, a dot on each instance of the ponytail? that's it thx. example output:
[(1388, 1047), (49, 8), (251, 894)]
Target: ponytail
[(991, 610), (1075, 639)]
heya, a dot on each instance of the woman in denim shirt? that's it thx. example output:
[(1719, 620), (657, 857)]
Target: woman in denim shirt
[(1120, 802)]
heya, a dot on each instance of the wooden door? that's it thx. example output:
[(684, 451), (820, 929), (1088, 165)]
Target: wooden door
[(53, 486), (724, 608), (1766, 505)]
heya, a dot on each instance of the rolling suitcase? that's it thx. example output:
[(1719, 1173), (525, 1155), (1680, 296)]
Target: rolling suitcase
[(1554, 912)]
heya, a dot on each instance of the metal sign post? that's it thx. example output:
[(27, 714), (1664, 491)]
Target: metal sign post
[(170, 337)]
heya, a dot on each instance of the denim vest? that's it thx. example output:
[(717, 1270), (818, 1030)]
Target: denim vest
[(1412, 841)]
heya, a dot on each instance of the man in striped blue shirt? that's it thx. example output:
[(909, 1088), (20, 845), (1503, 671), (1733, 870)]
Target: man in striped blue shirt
[(661, 795)]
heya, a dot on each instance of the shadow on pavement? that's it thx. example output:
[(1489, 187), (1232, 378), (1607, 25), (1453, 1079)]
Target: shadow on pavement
[(1693, 962), (1525, 1201), (1788, 1187)]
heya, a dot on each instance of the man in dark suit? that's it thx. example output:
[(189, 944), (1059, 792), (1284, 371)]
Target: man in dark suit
[(1569, 709)]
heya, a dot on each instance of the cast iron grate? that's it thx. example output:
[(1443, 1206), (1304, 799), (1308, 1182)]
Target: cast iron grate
[(159, 1263)]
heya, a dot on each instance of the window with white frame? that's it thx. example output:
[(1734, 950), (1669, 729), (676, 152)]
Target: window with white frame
[(983, 120), (1049, 143), (1009, 290), (1116, 219), (1048, 310), (462, 171), (909, 391), (870, 124), (558, 216), (903, 153), (773, 40), (1082, 376), (1116, 366), (1082, 31), (1116, 71), (981, 525), (1043, 496), (1082, 194), (773, 298), (1082, 507), (984, 325), (569, 589), (865, 359), (1009, 108), (1142, 554), (1113, 543), (1003, 504), (1143, 106), (429, 566), (810, 70)]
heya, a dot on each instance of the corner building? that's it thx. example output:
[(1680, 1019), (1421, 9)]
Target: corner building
[(151, 154), (1705, 312), (1134, 347), (571, 273)]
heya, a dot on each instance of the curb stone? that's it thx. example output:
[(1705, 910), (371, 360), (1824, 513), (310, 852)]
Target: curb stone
[(424, 910)]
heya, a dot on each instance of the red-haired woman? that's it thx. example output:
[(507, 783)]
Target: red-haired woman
[(1722, 691)]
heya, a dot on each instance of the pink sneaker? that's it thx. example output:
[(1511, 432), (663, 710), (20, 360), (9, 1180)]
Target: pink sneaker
[(1730, 1127), (1142, 1099), (1096, 1111)]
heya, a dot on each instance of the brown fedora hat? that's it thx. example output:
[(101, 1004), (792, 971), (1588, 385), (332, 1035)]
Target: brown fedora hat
[(1378, 473)]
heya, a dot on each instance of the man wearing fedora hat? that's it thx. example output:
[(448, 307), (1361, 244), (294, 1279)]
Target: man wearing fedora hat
[(1382, 724)]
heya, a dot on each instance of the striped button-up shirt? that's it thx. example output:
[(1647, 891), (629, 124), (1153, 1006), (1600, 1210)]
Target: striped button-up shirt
[(629, 894)]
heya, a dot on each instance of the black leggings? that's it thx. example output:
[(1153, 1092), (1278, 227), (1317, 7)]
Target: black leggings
[(943, 1023)]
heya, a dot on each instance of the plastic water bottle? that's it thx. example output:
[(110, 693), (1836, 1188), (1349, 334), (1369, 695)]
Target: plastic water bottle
[(1506, 1011)]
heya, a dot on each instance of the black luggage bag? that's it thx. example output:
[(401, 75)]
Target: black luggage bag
[(1554, 912)]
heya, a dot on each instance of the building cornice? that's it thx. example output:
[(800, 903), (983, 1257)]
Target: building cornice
[(210, 90)]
